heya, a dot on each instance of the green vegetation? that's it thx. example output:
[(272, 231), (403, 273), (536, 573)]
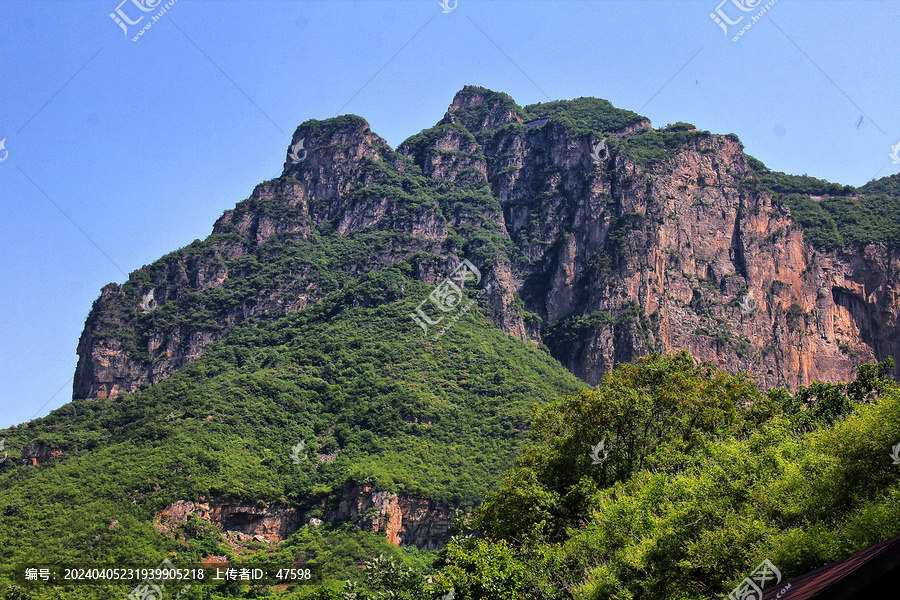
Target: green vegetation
[(886, 185), (671, 480), (572, 329), (843, 215), (475, 116), (705, 477), (782, 183), (374, 399), (700, 476), (300, 258), (833, 223), (585, 115), (653, 147)]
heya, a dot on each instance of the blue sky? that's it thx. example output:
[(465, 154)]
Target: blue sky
[(121, 151)]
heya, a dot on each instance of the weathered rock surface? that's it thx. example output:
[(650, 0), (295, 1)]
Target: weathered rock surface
[(405, 520), (612, 259), (38, 453), (239, 521)]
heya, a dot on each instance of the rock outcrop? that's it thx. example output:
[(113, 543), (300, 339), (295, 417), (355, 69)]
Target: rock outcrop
[(239, 521), (405, 520), (38, 453), (601, 256)]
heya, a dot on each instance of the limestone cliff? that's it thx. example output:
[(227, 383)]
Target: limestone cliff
[(599, 236), (403, 519), (237, 521)]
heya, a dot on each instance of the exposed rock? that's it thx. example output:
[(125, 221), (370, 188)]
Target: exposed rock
[(239, 521), (405, 520), (39, 453), (612, 260)]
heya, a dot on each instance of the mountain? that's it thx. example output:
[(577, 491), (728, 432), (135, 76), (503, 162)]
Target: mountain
[(675, 239), (359, 351)]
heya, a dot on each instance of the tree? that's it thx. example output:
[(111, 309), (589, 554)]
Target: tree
[(654, 414)]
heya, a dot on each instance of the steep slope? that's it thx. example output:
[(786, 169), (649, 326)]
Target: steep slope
[(531, 244), (397, 431), (596, 234), (701, 477), (671, 241)]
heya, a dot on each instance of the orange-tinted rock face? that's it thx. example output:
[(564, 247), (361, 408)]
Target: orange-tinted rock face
[(612, 260), (38, 453), (241, 521), (405, 520), (714, 268)]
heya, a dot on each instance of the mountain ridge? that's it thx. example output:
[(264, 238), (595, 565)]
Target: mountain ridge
[(582, 255), (360, 349)]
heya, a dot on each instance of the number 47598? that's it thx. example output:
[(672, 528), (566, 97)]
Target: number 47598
[(293, 574)]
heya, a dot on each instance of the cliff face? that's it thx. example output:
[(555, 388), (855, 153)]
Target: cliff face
[(627, 259), (404, 519), (659, 240), (38, 453), (237, 521), (141, 332)]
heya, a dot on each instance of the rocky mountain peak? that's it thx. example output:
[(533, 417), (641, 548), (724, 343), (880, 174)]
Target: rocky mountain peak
[(653, 240), (336, 145), (477, 108)]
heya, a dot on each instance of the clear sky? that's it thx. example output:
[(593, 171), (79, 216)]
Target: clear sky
[(122, 151)]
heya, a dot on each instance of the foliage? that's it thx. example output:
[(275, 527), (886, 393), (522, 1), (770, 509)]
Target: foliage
[(783, 183), (670, 480), (832, 223), (386, 578), (821, 403), (651, 147), (886, 185), (802, 480), (585, 115), (654, 414), (373, 398), (474, 115), (839, 214)]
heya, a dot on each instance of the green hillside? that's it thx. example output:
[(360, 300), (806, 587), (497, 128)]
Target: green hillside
[(701, 478), (353, 376), (831, 215)]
